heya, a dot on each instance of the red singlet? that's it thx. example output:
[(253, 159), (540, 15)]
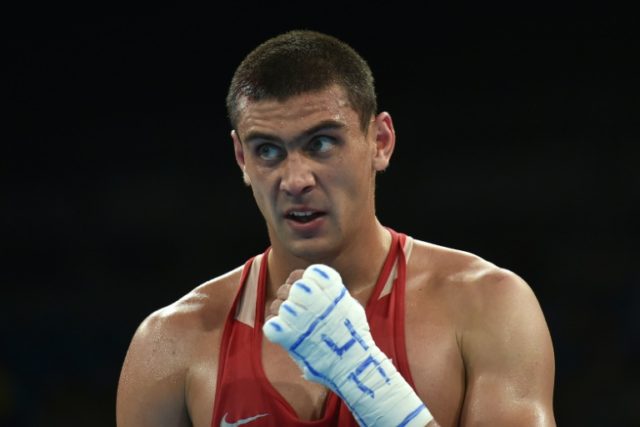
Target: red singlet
[(244, 395)]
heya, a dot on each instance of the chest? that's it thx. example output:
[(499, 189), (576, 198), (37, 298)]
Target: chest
[(435, 359), (435, 367), (432, 353)]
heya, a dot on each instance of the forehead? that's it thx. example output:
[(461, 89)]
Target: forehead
[(297, 113)]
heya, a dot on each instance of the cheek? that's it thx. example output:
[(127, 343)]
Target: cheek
[(352, 183), (260, 195), (264, 186), (350, 171)]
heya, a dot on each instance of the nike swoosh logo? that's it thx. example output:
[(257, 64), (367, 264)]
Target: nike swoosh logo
[(225, 423)]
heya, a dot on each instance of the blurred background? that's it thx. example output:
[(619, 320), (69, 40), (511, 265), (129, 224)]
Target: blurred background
[(517, 140)]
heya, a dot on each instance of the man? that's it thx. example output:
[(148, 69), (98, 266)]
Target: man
[(446, 338)]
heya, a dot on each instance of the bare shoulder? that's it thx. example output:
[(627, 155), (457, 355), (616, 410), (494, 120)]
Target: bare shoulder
[(164, 347), (483, 296), (467, 279), (503, 339), (203, 309)]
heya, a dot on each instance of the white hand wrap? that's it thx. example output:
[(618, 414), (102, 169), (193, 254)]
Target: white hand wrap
[(325, 331)]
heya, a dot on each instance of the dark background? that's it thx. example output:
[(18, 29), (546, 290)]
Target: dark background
[(517, 140)]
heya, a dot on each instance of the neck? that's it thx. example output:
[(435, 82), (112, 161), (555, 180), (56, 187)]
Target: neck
[(359, 262)]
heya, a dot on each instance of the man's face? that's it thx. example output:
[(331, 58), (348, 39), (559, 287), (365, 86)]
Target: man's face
[(311, 169)]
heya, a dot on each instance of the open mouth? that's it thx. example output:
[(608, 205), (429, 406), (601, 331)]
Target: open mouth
[(303, 217)]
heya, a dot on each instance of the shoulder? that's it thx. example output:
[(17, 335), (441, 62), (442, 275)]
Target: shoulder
[(468, 278), (203, 309), (501, 333), (164, 347), (479, 294)]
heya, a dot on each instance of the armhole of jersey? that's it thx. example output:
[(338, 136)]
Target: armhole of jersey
[(222, 355), (246, 310), (400, 331), (407, 245)]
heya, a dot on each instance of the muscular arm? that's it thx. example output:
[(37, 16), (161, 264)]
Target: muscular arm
[(508, 356), (152, 382)]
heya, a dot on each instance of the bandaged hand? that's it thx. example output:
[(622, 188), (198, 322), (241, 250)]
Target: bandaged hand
[(325, 330)]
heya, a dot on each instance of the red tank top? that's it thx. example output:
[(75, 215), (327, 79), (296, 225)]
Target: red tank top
[(244, 395)]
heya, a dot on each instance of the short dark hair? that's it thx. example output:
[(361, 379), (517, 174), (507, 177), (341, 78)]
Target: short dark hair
[(299, 62)]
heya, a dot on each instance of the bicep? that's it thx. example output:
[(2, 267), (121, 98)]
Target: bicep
[(151, 387), (509, 361)]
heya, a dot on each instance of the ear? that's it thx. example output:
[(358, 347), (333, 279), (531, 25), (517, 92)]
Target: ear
[(239, 153), (385, 140)]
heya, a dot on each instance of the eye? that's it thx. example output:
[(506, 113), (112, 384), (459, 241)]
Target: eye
[(269, 152), (321, 144)]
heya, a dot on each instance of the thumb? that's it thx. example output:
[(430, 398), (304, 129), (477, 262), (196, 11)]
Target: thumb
[(294, 275)]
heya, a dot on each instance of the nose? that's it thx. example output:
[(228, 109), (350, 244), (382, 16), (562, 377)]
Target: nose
[(297, 177)]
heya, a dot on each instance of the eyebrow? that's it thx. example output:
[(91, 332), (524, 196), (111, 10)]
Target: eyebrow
[(322, 126)]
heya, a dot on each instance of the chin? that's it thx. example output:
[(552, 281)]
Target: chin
[(314, 250)]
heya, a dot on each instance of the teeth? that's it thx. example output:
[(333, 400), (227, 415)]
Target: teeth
[(301, 214)]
